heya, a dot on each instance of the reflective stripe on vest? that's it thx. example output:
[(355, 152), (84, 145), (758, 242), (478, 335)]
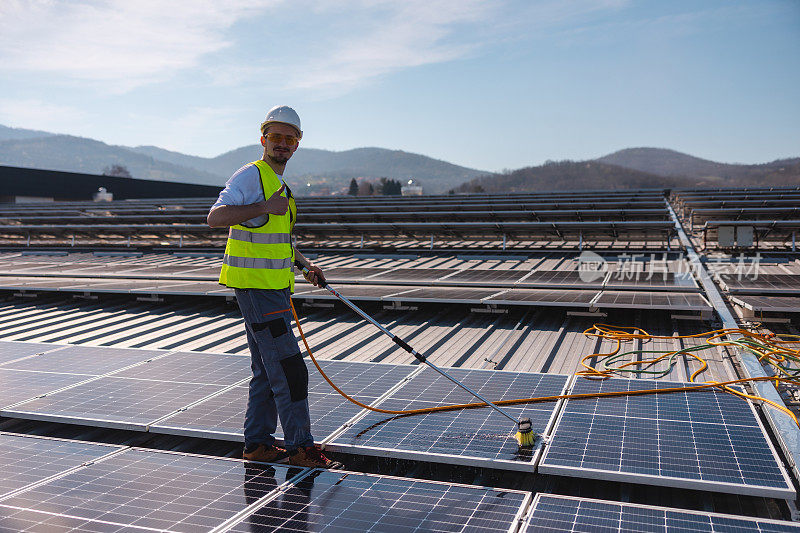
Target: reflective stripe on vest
[(259, 238), (262, 257), (256, 262)]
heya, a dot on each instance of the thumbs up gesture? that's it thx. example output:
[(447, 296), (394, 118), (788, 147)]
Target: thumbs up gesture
[(277, 204)]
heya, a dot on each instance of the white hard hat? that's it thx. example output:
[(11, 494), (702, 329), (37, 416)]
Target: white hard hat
[(285, 115)]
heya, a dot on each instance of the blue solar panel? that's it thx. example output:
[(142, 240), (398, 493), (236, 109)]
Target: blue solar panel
[(114, 402), (552, 513), (144, 488), (467, 436), (344, 501), (10, 351), (89, 360), (222, 415), (25, 460), (700, 439)]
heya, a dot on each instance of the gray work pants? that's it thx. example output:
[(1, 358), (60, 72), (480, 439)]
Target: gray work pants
[(279, 386)]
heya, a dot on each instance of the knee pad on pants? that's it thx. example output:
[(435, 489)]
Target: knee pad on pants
[(296, 372)]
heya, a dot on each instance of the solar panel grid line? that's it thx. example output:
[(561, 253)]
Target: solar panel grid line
[(196, 402), (14, 348), (33, 486), (33, 460), (605, 453), (559, 513)]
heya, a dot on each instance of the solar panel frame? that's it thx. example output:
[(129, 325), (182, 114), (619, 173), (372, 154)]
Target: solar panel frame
[(355, 501), (465, 446), (157, 489), (583, 513), (578, 422)]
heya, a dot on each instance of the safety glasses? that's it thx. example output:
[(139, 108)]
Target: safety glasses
[(277, 138)]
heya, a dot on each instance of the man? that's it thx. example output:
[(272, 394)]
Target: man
[(260, 210)]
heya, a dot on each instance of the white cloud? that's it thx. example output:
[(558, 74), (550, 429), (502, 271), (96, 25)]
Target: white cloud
[(39, 115), (385, 36), (123, 43)]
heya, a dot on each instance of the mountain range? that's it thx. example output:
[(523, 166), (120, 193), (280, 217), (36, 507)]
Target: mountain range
[(330, 171), (320, 168)]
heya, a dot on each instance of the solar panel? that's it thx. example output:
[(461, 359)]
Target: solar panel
[(25, 460), (19, 385), (114, 402), (356, 292), (156, 490), (350, 274), (762, 283), (665, 281), (9, 350), (772, 304), (446, 294), (566, 513), (411, 275), (497, 278), (89, 360), (179, 287), (558, 297), (562, 279), (222, 416), (699, 439), (653, 300), (344, 501), (193, 367), (468, 436)]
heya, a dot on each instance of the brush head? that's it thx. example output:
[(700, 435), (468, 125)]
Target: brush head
[(525, 436)]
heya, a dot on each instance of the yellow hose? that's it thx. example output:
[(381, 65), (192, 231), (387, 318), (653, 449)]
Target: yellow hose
[(589, 372)]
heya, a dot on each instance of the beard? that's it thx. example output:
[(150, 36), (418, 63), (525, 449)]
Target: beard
[(279, 158)]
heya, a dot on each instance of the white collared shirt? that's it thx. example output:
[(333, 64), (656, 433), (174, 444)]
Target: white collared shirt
[(244, 188)]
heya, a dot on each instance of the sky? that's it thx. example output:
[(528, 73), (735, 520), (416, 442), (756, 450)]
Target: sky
[(492, 85)]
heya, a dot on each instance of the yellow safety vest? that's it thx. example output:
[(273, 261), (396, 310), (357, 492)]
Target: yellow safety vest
[(262, 257)]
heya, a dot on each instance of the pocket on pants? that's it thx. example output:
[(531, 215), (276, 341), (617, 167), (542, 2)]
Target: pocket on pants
[(296, 372)]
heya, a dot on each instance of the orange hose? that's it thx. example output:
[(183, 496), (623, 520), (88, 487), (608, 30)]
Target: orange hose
[(722, 385)]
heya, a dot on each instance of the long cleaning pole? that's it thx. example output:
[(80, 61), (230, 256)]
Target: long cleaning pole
[(420, 357)]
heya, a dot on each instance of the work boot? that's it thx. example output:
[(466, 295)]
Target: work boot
[(312, 457), (265, 454)]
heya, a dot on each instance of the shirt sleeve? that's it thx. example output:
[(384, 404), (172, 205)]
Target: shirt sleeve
[(241, 189)]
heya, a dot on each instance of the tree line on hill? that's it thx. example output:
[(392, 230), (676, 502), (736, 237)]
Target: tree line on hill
[(384, 186)]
